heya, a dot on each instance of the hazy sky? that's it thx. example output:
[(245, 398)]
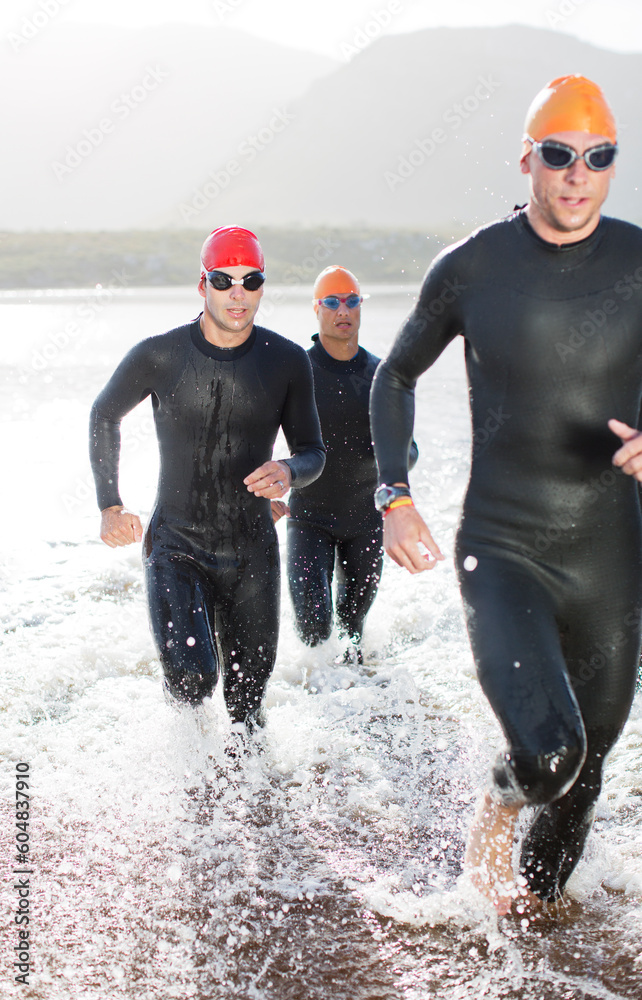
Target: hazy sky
[(333, 27)]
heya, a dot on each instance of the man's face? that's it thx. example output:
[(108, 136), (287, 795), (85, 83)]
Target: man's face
[(565, 204), (339, 324), (234, 309)]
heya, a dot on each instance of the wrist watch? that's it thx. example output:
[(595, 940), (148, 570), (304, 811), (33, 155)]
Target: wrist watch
[(385, 495)]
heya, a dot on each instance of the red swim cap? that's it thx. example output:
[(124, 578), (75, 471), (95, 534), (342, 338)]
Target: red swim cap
[(570, 104), (335, 280), (231, 246)]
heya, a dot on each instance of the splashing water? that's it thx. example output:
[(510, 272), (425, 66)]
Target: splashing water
[(325, 862)]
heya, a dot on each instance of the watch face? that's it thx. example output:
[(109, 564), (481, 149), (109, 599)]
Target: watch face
[(383, 496), (386, 494)]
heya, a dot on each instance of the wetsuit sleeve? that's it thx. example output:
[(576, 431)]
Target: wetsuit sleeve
[(429, 328), (300, 423), (130, 383)]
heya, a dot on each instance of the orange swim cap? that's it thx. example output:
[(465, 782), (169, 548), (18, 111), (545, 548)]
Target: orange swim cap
[(570, 104), (335, 280), (231, 246)]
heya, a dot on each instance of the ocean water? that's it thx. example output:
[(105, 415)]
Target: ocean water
[(327, 866)]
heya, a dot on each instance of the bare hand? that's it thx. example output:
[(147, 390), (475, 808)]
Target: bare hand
[(279, 510), (628, 458), (404, 530), (119, 526), (271, 480)]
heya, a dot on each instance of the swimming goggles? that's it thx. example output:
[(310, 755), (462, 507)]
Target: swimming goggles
[(559, 156), (222, 281), (332, 301)]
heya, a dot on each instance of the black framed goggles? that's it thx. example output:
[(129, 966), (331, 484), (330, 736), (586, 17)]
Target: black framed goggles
[(333, 301), (559, 156), (222, 281)]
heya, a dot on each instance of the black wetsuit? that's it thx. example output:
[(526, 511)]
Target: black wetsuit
[(334, 518), (211, 553), (548, 549)]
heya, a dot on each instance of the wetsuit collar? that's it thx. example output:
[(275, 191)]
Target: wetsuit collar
[(326, 360), (580, 250), (220, 353)]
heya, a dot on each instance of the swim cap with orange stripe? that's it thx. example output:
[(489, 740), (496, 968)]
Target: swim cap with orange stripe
[(335, 280), (570, 104), (231, 246)]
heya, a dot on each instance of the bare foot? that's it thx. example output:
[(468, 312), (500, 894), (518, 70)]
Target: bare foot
[(489, 858)]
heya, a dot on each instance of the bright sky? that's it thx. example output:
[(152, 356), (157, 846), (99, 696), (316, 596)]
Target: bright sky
[(328, 26)]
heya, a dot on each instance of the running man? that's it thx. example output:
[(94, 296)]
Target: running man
[(333, 523), (549, 303), (221, 388)]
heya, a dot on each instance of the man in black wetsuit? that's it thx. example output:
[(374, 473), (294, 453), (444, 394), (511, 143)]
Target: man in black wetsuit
[(221, 388), (333, 522), (549, 303)]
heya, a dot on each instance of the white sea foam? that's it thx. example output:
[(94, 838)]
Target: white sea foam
[(168, 866)]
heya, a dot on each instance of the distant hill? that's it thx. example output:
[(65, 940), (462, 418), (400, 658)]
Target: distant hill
[(179, 127), (140, 258), (113, 128), (432, 135)]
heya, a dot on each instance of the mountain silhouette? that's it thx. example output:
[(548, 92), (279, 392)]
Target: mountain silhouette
[(181, 126)]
